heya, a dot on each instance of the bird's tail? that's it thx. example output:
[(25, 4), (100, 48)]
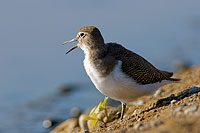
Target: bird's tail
[(169, 75)]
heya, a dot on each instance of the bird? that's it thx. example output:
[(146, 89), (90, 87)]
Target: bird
[(116, 71)]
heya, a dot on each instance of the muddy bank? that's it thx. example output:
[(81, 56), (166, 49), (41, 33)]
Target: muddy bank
[(173, 108)]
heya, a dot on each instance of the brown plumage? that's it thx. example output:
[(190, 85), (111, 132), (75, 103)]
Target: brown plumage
[(137, 67), (104, 58), (111, 78)]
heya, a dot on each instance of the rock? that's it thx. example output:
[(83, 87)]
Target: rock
[(191, 109), (158, 92), (194, 90), (89, 125), (173, 101), (83, 123), (140, 102), (137, 126), (156, 123), (66, 126), (136, 112), (156, 116), (101, 115), (171, 97), (47, 123), (105, 119), (75, 112), (65, 89), (185, 104)]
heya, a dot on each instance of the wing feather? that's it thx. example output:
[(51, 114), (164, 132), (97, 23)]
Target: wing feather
[(137, 67)]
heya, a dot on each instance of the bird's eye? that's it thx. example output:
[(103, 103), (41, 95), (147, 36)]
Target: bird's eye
[(82, 34)]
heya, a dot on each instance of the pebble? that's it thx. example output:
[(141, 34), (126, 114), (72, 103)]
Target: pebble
[(65, 89), (137, 126), (194, 89), (172, 96), (156, 116), (185, 104), (83, 123), (139, 102), (101, 115), (75, 112), (158, 92), (66, 126), (156, 123), (191, 109), (173, 101), (47, 123), (136, 112), (140, 119)]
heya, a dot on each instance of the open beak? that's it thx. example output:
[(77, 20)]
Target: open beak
[(73, 40)]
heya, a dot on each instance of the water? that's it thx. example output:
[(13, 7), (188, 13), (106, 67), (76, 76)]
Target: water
[(33, 63)]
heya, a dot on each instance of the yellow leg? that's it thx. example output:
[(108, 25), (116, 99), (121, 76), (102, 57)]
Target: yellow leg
[(123, 110)]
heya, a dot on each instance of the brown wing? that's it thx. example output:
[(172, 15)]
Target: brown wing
[(137, 67)]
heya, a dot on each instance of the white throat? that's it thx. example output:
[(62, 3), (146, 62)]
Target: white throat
[(85, 49)]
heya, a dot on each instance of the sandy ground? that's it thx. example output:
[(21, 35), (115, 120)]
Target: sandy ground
[(173, 108)]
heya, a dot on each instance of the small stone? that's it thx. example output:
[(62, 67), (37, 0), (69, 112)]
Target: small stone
[(172, 96), (105, 119), (66, 126), (65, 89), (136, 112), (137, 126), (140, 119), (156, 116), (158, 92), (47, 123), (173, 101), (101, 115), (185, 104), (194, 89), (145, 127), (82, 122), (140, 102), (165, 102), (156, 123), (75, 112), (191, 109)]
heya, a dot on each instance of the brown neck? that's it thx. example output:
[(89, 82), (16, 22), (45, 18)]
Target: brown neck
[(99, 57), (97, 51)]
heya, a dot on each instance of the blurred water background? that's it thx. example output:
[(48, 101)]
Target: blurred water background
[(33, 64)]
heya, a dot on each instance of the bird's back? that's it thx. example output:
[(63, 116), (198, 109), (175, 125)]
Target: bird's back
[(137, 67)]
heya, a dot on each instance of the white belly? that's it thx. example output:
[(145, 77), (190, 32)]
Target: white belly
[(117, 85)]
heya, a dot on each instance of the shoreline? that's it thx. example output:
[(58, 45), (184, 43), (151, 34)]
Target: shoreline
[(173, 108)]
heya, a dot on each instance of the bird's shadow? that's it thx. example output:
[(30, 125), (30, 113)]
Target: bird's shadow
[(166, 101)]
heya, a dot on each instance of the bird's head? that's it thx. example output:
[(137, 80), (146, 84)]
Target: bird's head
[(88, 36)]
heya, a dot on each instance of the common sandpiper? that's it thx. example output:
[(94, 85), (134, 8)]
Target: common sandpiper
[(116, 71)]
